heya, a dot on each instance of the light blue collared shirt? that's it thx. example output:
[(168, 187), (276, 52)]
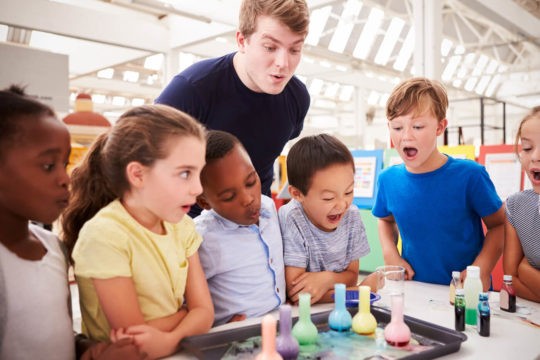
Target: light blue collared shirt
[(243, 264)]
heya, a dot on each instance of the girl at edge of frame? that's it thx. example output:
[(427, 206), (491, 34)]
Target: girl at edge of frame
[(134, 249), (521, 257), (35, 301)]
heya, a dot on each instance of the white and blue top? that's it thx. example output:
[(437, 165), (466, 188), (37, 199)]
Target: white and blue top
[(523, 212), (243, 264)]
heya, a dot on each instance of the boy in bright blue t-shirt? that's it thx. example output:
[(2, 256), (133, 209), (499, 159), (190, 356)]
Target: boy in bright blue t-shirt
[(435, 202)]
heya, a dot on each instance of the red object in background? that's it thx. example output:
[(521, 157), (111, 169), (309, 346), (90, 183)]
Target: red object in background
[(84, 113), (278, 202)]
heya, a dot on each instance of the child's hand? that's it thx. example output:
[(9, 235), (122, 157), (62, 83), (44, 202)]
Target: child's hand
[(154, 342), (237, 317), (123, 349), (317, 284), (372, 280), (409, 272)]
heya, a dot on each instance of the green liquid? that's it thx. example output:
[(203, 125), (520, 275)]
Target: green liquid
[(470, 316)]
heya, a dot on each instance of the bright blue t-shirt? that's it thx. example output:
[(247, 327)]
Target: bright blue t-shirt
[(439, 215), (212, 92)]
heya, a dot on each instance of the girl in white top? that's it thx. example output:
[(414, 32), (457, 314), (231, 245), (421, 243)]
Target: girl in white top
[(35, 314), (34, 149), (135, 251), (521, 257)]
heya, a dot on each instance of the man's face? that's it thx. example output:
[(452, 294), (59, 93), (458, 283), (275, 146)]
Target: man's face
[(271, 55)]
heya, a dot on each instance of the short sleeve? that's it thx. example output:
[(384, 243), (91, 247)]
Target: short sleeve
[(102, 252), (482, 194), (380, 208), (359, 243), (510, 209), (294, 245), (192, 239)]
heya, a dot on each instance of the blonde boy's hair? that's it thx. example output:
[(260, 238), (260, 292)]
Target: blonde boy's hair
[(293, 13), (417, 95)]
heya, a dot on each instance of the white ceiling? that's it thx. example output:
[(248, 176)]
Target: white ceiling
[(501, 35)]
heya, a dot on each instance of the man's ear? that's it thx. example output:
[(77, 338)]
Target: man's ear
[(135, 173), (296, 194), (240, 41), (201, 201)]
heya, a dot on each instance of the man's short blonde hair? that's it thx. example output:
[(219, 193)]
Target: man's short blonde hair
[(417, 95), (293, 13)]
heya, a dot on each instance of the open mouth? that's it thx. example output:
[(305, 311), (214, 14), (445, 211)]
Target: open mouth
[(535, 174), (334, 218), (410, 151)]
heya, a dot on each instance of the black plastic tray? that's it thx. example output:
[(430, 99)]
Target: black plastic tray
[(213, 346)]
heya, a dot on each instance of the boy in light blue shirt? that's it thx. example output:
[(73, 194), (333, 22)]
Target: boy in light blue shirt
[(242, 251)]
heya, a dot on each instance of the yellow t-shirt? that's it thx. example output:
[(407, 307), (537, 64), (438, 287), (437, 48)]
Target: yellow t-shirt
[(114, 244)]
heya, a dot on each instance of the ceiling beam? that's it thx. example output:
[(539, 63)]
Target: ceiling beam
[(509, 15), (141, 32)]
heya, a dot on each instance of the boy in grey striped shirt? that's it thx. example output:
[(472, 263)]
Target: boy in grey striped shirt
[(323, 234)]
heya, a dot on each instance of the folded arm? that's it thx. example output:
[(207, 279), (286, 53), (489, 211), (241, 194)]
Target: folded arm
[(525, 278), (157, 337), (319, 284)]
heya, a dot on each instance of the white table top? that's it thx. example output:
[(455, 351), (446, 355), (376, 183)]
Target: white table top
[(510, 336)]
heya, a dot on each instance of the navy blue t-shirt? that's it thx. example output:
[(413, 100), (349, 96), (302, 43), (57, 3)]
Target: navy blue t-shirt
[(212, 92)]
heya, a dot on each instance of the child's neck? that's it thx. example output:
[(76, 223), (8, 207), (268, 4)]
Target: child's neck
[(17, 238), (142, 215), (434, 162)]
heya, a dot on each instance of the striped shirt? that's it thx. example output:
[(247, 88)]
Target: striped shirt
[(523, 212), (306, 246)]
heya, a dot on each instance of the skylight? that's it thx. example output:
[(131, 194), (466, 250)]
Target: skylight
[(363, 47), (446, 46), (316, 86), (345, 26), (389, 41), (405, 52), (317, 22), (346, 93), (106, 73), (451, 67), (131, 76), (154, 62)]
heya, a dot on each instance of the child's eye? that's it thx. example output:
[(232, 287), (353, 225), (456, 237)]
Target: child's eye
[(269, 48), (418, 127), (526, 149), (228, 198), (251, 184), (328, 199), (48, 167), (397, 128), (349, 193), (185, 174)]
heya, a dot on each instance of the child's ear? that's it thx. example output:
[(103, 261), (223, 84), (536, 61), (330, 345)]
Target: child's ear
[(441, 126), (296, 194), (201, 201), (135, 172)]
